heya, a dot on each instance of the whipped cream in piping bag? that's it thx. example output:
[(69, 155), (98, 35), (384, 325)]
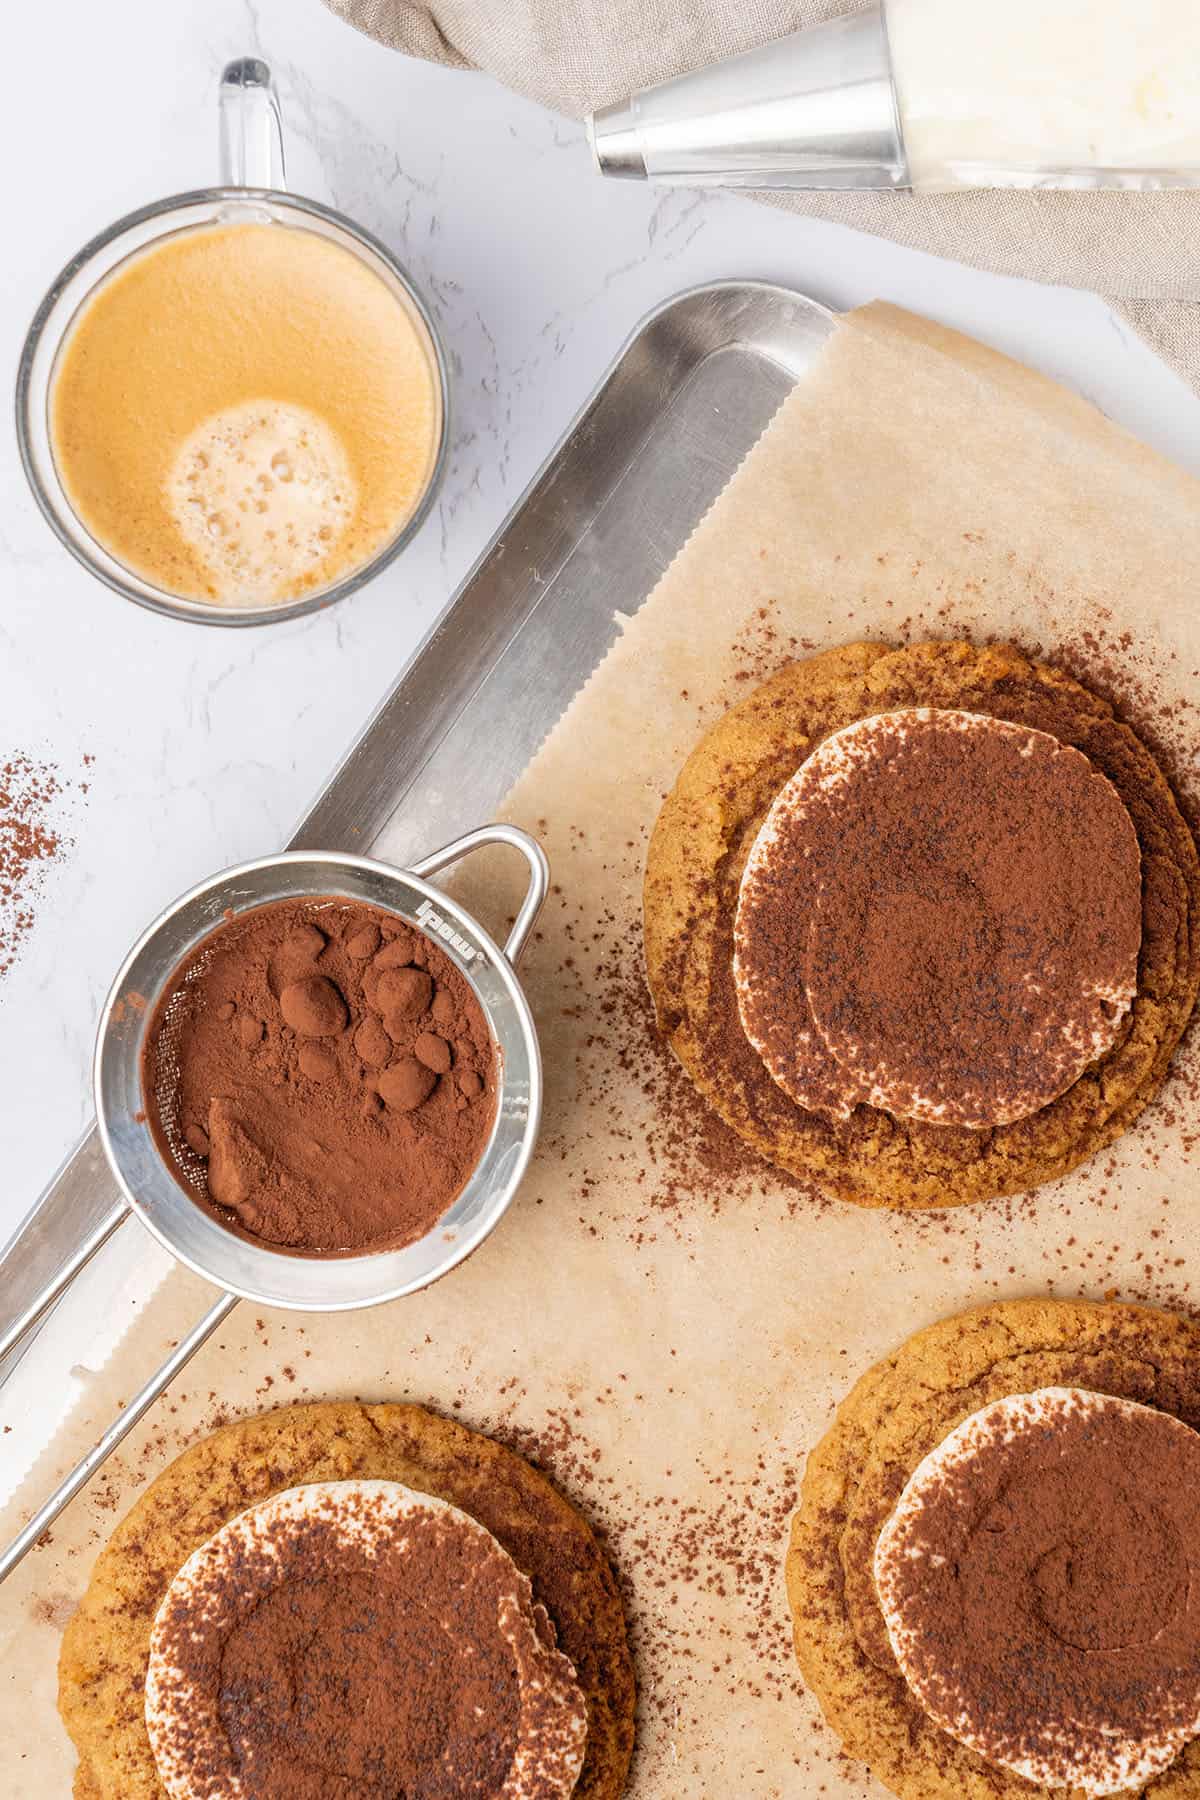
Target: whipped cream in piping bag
[(1054, 93)]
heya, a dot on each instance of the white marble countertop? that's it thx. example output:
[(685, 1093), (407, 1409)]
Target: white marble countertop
[(207, 745)]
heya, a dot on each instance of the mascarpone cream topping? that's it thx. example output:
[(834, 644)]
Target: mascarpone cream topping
[(1040, 1581), (940, 917), (357, 1636)]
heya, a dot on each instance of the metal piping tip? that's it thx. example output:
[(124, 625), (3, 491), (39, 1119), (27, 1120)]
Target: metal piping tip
[(615, 141), (816, 109)]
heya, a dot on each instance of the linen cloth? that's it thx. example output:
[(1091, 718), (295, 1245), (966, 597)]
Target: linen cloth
[(1140, 250)]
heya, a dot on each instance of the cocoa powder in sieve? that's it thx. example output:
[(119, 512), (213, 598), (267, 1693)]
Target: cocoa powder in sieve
[(321, 1077)]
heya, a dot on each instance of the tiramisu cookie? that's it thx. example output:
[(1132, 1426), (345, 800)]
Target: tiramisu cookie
[(921, 924), (994, 1573), (939, 917), (358, 1634), (232, 1639)]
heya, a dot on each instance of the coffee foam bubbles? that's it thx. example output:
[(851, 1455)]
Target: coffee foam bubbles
[(262, 492)]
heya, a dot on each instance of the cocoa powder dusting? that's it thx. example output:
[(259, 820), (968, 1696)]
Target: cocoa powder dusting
[(30, 797), (685, 1159), (362, 1649), (1044, 1586), (321, 1077), (683, 1568), (954, 907)]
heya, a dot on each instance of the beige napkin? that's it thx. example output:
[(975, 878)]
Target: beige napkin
[(1141, 251)]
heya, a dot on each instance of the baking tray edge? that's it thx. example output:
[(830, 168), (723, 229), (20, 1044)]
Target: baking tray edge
[(691, 390)]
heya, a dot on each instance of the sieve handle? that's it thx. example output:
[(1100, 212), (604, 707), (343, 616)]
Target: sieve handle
[(121, 1426), (516, 839)]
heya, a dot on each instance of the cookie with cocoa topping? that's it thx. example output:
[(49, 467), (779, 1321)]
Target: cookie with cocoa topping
[(1067, 1638), (576, 1610), (922, 924)]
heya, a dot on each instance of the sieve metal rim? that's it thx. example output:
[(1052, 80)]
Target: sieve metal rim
[(288, 1289)]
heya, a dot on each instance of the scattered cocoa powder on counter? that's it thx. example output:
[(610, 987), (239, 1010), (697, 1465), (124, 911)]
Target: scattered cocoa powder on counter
[(31, 793), (299, 1085), (688, 1161)]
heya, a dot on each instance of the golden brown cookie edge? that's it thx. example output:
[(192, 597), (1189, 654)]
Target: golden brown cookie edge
[(339, 1428), (678, 901)]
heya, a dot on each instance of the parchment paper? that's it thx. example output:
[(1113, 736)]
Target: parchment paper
[(670, 1340)]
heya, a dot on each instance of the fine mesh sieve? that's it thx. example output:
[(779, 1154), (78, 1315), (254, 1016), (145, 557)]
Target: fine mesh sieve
[(152, 1186), (238, 1265), (167, 1024)]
